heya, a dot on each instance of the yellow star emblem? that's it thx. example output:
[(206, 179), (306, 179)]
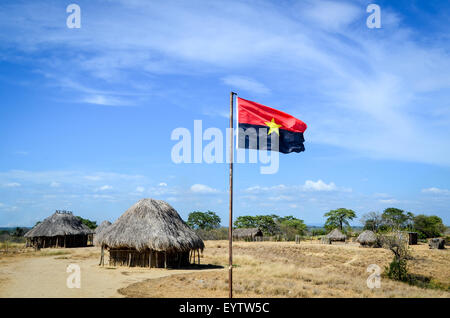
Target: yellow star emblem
[(273, 126)]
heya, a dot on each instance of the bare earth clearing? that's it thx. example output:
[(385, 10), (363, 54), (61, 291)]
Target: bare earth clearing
[(263, 269)]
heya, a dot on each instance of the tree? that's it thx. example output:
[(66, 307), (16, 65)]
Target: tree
[(18, 232), (428, 226), (372, 221), (203, 220), (266, 223), (90, 224), (291, 226), (395, 218), (398, 245), (338, 218)]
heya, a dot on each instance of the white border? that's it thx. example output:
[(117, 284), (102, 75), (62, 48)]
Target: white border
[(237, 123)]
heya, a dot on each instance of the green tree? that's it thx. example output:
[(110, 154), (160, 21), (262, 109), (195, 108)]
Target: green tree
[(395, 218), (291, 225), (428, 226), (90, 224), (338, 218), (372, 221), (246, 221), (18, 232), (266, 223), (203, 220)]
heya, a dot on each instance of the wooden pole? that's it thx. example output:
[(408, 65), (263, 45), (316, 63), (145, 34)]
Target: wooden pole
[(230, 226), (150, 259), (165, 259)]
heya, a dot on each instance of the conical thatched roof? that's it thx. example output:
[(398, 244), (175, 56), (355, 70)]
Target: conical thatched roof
[(151, 224), (247, 232), (59, 224), (367, 237), (336, 235), (101, 227)]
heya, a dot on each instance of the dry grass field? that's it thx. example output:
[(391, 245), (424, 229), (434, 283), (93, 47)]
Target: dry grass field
[(262, 269)]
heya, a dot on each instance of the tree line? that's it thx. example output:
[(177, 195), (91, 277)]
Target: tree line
[(390, 219)]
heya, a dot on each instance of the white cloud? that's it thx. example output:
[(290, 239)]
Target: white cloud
[(163, 184), (104, 100), (245, 83), (389, 201), (201, 188), (332, 16), (140, 189), (434, 190), (319, 185), (104, 188), (54, 184), (12, 185)]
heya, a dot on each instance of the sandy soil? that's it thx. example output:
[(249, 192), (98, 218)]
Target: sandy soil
[(43, 274), (263, 269)]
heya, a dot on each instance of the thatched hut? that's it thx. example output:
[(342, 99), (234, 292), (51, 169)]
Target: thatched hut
[(62, 229), (103, 226), (247, 234), (412, 238), (150, 234), (335, 236), (368, 238), (437, 243)]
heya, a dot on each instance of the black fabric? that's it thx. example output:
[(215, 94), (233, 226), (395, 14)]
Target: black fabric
[(287, 142)]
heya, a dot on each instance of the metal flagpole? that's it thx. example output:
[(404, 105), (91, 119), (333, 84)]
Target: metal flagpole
[(230, 226)]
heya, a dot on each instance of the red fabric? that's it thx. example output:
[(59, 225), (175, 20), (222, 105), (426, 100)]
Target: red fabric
[(257, 114)]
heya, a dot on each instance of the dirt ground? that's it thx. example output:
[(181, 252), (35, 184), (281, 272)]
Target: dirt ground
[(262, 269), (43, 274)]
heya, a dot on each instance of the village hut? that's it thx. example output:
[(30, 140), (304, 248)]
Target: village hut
[(103, 226), (150, 234), (62, 229), (335, 236), (412, 238), (437, 243), (248, 234), (367, 238)]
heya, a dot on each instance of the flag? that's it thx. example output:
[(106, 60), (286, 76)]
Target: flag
[(265, 128)]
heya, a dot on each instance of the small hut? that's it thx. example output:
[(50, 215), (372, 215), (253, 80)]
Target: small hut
[(367, 238), (335, 236), (103, 226), (437, 243), (150, 234), (412, 238), (248, 234), (62, 229)]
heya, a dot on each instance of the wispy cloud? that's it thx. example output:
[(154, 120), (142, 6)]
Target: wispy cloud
[(434, 190), (203, 189), (12, 185), (357, 87), (246, 84)]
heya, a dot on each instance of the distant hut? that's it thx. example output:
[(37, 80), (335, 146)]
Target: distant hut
[(248, 234), (367, 238), (335, 236), (150, 234), (62, 229), (103, 226), (412, 238), (437, 243)]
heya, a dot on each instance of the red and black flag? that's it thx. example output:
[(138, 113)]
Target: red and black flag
[(265, 128)]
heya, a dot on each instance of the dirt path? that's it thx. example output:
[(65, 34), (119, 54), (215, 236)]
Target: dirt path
[(46, 276)]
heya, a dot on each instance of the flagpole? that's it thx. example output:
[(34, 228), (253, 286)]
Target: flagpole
[(230, 226)]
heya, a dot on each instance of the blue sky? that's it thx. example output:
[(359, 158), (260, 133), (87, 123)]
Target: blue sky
[(86, 114)]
